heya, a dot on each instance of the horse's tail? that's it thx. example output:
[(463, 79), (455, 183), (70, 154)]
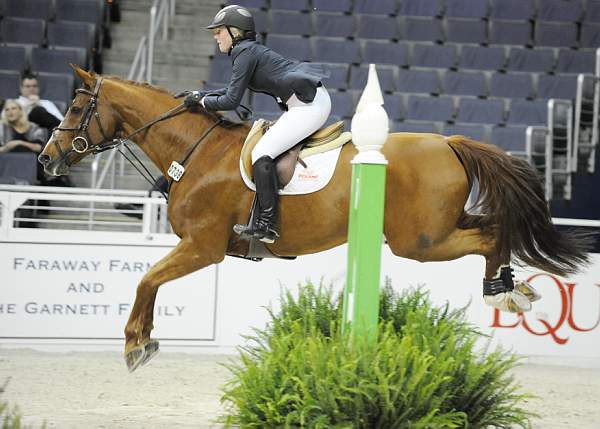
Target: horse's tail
[(512, 204)]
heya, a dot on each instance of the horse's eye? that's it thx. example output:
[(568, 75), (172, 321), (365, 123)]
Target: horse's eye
[(75, 110)]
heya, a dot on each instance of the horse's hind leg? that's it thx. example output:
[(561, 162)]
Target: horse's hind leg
[(459, 243), (499, 288), (182, 260)]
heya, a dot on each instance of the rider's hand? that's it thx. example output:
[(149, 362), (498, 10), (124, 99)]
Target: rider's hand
[(194, 99)]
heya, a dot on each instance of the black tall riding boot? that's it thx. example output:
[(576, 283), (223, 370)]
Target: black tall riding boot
[(267, 194)]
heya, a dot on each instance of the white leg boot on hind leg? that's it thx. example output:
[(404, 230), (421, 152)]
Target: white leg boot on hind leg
[(513, 301)]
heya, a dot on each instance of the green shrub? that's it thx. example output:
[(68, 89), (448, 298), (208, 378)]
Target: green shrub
[(9, 418), (423, 371)]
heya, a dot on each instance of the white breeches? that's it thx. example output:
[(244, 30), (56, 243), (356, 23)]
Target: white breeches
[(297, 123)]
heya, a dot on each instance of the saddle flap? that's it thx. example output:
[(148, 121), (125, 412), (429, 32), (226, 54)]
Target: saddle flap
[(286, 162)]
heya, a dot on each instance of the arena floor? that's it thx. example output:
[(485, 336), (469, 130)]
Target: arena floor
[(176, 390)]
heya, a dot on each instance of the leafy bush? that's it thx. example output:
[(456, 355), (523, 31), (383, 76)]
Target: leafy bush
[(10, 417), (422, 372)]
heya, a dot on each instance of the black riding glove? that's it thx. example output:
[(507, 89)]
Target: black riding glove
[(192, 98)]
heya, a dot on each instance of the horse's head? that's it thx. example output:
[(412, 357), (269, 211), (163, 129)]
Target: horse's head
[(89, 127)]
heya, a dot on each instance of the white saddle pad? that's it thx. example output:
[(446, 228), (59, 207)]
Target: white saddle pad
[(317, 174)]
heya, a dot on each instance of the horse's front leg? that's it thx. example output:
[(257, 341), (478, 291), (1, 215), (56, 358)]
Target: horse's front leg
[(183, 259)]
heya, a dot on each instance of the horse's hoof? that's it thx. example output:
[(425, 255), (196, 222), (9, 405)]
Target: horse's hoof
[(528, 290), (134, 358), (150, 350), (513, 302)]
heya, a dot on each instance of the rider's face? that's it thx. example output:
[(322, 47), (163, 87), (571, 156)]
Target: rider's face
[(221, 35)]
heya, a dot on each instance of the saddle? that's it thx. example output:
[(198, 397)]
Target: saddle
[(322, 140)]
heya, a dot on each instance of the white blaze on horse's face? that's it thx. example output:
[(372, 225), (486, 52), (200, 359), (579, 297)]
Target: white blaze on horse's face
[(221, 35)]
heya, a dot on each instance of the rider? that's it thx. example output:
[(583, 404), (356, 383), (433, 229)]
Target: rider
[(295, 86)]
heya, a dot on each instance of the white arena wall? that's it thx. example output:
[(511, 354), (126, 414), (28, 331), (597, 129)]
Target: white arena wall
[(72, 290)]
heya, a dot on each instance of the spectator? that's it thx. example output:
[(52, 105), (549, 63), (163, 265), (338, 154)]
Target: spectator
[(18, 134), (42, 112)]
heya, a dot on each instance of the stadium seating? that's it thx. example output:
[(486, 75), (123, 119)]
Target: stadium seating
[(13, 58), (288, 22), (9, 84), (464, 83), (481, 58), (530, 60), (34, 9), (475, 132), (472, 110), (517, 10), (343, 6), (511, 85), (421, 29), (334, 25), (23, 31), (466, 31), (418, 81)]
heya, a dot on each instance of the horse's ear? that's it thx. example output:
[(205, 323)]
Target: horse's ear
[(87, 77)]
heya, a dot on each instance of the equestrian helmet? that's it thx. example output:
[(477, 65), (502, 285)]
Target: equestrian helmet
[(234, 16)]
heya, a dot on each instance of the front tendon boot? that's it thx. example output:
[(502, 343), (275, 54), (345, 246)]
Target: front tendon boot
[(267, 193)]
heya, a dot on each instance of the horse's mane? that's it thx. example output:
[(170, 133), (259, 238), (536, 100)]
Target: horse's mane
[(227, 123), (145, 85)]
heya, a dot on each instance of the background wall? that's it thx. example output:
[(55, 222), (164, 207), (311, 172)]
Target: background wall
[(77, 297)]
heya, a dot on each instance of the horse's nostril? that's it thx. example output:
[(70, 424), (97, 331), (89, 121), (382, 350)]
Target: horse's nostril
[(44, 159)]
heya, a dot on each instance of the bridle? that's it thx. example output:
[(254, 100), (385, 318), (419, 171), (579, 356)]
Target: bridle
[(82, 142)]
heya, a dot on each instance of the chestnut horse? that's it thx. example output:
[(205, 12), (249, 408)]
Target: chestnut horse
[(429, 178)]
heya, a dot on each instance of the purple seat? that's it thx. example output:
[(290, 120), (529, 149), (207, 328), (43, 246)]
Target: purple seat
[(442, 56), (394, 106), (466, 31), (344, 6), (385, 53), (580, 61), (438, 109), (377, 27), (464, 83), (13, 58), (555, 34), (559, 10), (375, 7), (288, 22), (421, 29), (418, 81), (56, 60), (511, 138), (531, 60), (298, 5), (481, 58), (56, 86), (592, 12), (528, 112), (557, 86), (590, 35), (290, 46), (34, 9), (466, 9), (342, 104), (517, 10), (509, 32), (9, 84), (336, 51), (428, 8), (23, 31), (472, 110), (71, 34), (334, 25), (511, 85)]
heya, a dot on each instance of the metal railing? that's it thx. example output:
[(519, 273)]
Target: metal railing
[(26, 209), (161, 13)]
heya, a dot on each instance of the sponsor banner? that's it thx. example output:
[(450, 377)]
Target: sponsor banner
[(71, 292)]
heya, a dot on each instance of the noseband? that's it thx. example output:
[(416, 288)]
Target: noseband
[(82, 142)]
